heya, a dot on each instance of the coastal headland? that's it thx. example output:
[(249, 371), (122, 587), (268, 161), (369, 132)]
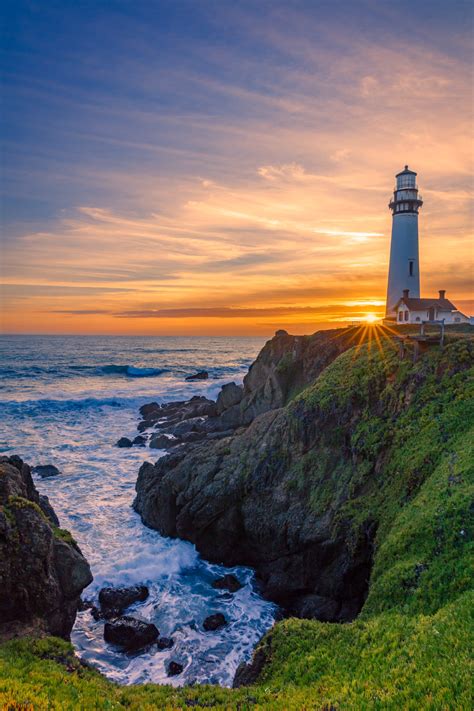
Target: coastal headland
[(343, 474)]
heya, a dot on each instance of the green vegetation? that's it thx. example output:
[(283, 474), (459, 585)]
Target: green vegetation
[(396, 447)]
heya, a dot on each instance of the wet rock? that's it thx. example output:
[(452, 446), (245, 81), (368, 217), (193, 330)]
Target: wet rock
[(165, 642), (121, 597), (150, 409), (230, 394), (139, 441), (130, 633), (227, 582), (124, 442), (42, 574), (214, 622), (174, 668), (316, 607), (202, 375), (47, 509), (163, 441), (46, 470)]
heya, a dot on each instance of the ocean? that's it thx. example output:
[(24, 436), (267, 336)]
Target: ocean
[(66, 400)]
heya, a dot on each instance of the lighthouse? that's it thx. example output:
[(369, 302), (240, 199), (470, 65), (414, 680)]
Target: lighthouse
[(404, 270)]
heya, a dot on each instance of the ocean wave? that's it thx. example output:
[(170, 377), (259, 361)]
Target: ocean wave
[(30, 407), (131, 370)]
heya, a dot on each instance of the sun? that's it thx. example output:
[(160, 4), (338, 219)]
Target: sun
[(371, 318)]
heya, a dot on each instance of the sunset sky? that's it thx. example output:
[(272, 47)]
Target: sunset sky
[(224, 167)]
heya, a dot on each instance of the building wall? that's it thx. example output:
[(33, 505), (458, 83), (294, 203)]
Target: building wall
[(403, 251), (419, 316)]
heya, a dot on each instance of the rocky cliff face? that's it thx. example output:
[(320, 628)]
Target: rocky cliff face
[(42, 570), (300, 494)]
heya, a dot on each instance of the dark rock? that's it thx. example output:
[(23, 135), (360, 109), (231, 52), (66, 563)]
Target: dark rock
[(214, 622), (139, 440), (227, 582), (124, 442), (163, 441), (42, 574), (121, 597), (47, 509), (174, 668), (281, 332), (149, 409), (202, 375), (235, 497), (316, 606), (165, 642), (248, 674), (130, 633), (230, 394), (46, 470)]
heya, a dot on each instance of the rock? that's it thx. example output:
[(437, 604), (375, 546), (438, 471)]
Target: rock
[(281, 332), (318, 607), (234, 494), (139, 440), (174, 668), (121, 597), (214, 622), (248, 674), (227, 582), (47, 509), (124, 442), (165, 642), (42, 571), (163, 441), (230, 394), (202, 375), (130, 633), (46, 470), (150, 409)]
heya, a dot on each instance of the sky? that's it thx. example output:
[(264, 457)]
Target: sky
[(224, 166)]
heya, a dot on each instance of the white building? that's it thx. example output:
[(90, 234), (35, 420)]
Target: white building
[(404, 270), (414, 310)]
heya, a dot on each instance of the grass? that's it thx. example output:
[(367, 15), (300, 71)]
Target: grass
[(394, 444)]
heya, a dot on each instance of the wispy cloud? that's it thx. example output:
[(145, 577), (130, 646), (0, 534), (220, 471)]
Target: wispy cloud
[(248, 174)]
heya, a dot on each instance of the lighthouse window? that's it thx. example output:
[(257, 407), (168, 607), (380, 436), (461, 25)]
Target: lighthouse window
[(410, 267)]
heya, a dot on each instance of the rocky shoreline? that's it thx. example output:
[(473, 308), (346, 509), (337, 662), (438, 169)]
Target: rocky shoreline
[(224, 483), (42, 569)]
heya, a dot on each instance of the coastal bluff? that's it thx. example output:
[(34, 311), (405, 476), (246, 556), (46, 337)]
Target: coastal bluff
[(331, 443), (42, 570)]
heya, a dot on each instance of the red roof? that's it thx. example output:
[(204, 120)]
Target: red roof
[(420, 304)]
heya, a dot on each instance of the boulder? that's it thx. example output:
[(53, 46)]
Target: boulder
[(174, 668), (202, 375), (163, 441), (130, 633), (42, 570), (230, 394), (139, 441), (227, 582), (124, 442), (214, 622), (121, 597), (46, 470), (165, 642), (150, 409)]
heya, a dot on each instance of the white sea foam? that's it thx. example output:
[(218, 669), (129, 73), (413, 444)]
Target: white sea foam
[(73, 421)]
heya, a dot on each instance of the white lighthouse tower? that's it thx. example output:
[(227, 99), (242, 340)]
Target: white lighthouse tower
[(404, 270)]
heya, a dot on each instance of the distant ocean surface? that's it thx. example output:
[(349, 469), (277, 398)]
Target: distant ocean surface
[(66, 400)]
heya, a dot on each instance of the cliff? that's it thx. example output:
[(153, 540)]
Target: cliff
[(42, 570), (371, 457), (309, 491)]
